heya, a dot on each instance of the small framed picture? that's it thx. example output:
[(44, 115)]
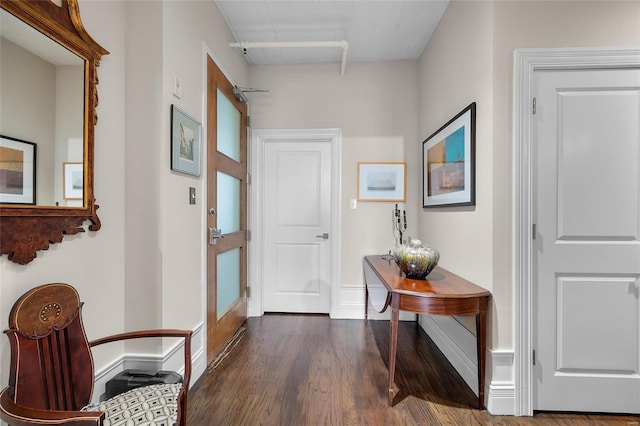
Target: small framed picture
[(382, 181), (72, 181), (448, 162), (17, 171), (185, 143)]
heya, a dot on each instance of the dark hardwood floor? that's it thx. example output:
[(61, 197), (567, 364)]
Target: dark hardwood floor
[(299, 370)]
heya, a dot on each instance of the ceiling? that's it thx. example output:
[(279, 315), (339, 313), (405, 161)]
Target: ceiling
[(375, 30)]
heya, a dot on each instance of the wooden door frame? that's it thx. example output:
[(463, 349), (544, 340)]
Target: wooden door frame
[(526, 63), (259, 137)]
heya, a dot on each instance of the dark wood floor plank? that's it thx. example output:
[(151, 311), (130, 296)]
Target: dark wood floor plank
[(296, 370)]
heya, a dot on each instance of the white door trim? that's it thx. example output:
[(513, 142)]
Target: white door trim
[(526, 62), (255, 306)]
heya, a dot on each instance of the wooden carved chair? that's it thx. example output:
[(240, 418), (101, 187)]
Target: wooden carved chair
[(51, 378)]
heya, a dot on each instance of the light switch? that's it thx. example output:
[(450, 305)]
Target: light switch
[(177, 86), (192, 195), (354, 203)]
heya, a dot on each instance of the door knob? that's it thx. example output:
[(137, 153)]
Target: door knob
[(214, 234), (324, 236)]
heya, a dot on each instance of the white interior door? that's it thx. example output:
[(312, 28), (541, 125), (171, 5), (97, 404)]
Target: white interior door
[(297, 221), (586, 145)]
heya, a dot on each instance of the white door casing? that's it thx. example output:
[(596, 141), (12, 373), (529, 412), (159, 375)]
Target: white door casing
[(261, 258), (586, 276), (526, 63)]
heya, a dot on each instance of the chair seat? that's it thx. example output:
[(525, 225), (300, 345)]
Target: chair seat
[(153, 405)]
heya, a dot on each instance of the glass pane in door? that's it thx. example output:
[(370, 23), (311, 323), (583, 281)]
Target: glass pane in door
[(228, 128), (229, 192), (228, 276)]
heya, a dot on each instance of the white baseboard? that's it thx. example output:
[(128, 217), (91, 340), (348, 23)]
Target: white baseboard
[(351, 303), (459, 346), (198, 353), (351, 306), (501, 395), (172, 360), (501, 400)]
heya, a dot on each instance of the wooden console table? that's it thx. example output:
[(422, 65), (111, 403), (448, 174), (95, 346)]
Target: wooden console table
[(442, 293)]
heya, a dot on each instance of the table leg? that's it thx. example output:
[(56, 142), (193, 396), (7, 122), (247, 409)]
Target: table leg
[(366, 302), (393, 346), (481, 338)]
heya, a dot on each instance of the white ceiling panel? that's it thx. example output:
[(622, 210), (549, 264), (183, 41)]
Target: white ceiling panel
[(375, 30)]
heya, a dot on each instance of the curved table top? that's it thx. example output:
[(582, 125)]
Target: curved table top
[(440, 283)]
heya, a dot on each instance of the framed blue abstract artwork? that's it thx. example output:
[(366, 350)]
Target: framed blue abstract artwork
[(448, 162)]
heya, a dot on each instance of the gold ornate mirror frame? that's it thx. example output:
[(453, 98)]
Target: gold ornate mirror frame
[(26, 229)]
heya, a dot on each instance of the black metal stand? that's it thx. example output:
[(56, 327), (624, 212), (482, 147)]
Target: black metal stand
[(400, 222)]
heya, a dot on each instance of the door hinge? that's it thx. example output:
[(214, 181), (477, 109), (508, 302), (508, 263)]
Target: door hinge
[(534, 106), (248, 121), (534, 231), (248, 178), (533, 357), (248, 291), (248, 235)]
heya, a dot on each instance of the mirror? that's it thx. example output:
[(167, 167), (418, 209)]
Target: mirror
[(48, 77), (40, 109)]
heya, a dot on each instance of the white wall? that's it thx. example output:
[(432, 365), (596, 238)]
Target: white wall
[(92, 262), (141, 195), (455, 70), (144, 268), (470, 58), (375, 104), (186, 26), (532, 24)]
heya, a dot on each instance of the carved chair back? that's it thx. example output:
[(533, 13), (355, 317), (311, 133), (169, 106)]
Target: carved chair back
[(51, 362)]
